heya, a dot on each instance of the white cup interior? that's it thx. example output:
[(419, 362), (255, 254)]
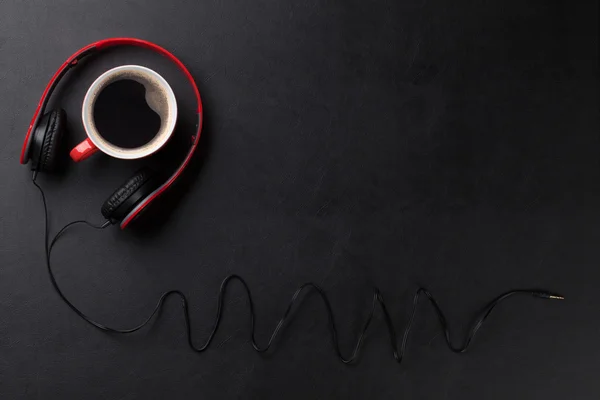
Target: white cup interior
[(159, 96)]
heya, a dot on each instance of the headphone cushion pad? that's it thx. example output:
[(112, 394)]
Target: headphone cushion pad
[(125, 191), (57, 120)]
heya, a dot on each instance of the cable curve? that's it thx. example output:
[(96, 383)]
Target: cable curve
[(398, 353)]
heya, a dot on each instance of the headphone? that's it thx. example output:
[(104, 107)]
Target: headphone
[(136, 194), (46, 129)]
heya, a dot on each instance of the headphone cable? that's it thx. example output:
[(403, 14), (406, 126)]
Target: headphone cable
[(398, 353)]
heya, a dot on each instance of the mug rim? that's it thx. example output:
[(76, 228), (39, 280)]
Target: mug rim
[(161, 137)]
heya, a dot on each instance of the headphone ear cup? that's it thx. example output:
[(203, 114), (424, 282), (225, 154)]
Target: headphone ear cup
[(47, 138), (127, 196)]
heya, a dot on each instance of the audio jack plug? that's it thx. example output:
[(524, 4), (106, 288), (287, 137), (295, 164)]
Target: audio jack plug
[(546, 295)]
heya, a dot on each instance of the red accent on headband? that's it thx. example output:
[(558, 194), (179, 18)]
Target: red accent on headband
[(100, 45)]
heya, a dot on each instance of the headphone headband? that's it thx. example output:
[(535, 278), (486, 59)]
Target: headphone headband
[(91, 49)]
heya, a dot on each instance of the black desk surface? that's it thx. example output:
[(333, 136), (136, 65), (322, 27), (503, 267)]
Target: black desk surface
[(453, 145)]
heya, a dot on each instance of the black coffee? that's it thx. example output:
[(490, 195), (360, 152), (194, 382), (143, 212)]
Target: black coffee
[(123, 117)]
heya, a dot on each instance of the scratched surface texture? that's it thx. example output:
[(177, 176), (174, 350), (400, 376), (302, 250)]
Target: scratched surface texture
[(350, 143)]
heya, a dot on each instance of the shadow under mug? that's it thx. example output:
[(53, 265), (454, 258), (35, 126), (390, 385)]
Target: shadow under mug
[(160, 98)]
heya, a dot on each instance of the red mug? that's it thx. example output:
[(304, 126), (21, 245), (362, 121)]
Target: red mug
[(160, 98)]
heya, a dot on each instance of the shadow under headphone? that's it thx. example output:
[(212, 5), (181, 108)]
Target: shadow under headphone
[(47, 128)]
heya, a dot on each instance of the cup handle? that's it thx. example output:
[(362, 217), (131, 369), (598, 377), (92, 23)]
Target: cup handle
[(83, 150)]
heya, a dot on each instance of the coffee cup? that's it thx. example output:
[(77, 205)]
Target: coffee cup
[(159, 97)]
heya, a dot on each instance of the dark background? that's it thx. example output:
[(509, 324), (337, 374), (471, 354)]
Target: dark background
[(351, 143)]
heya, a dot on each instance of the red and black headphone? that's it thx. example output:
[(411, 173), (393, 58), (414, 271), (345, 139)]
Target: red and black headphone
[(46, 129)]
